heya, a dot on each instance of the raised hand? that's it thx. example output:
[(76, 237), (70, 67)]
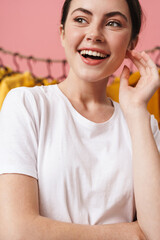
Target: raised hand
[(131, 98)]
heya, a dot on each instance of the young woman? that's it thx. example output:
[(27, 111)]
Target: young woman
[(74, 164)]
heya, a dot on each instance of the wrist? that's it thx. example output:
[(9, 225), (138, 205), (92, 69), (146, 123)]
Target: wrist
[(138, 120), (119, 231), (139, 113)]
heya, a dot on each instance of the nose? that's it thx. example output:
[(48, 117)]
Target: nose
[(94, 34)]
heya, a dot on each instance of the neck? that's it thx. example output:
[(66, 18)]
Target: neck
[(84, 91)]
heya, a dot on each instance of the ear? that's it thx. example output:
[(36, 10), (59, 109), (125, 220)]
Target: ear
[(132, 44), (61, 30)]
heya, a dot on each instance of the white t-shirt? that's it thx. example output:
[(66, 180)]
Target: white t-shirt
[(84, 169)]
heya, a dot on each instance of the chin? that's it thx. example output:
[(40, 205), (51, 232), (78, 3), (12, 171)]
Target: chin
[(90, 78), (90, 75)]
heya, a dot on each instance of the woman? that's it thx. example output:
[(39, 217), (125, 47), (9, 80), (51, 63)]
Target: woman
[(70, 156)]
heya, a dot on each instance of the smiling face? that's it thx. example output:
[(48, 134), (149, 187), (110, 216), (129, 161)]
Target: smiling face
[(96, 37)]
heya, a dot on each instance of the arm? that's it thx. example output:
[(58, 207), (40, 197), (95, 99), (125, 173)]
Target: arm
[(20, 218), (146, 158)]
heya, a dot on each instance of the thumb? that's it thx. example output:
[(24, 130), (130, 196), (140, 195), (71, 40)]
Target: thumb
[(124, 77)]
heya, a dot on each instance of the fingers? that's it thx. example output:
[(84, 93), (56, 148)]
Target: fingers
[(151, 65), (146, 67), (138, 60), (124, 76), (143, 62)]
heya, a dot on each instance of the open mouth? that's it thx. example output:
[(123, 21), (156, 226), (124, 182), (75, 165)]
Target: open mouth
[(93, 55)]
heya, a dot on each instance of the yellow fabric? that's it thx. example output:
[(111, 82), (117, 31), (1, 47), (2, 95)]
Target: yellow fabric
[(113, 89), (154, 103), (4, 71), (19, 80), (14, 81), (47, 82)]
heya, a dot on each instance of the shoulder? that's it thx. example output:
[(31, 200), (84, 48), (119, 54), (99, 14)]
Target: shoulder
[(28, 96), (37, 91)]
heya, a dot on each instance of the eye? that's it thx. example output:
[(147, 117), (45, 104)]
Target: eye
[(80, 20), (114, 24)]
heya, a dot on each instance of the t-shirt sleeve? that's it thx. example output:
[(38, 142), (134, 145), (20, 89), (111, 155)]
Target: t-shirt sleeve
[(156, 131), (18, 133)]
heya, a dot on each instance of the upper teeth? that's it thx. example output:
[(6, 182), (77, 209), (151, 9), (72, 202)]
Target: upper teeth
[(93, 53)]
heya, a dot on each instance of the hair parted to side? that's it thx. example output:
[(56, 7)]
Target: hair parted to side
[(136, 17), (135, 12), (65, 10)]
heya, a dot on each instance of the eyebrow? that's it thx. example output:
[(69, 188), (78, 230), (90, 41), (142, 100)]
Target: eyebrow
[(110, 14)]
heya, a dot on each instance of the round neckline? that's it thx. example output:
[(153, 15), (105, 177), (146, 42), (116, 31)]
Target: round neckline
[(85, 120)]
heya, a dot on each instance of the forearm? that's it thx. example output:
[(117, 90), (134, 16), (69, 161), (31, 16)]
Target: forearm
[(20, 218), (42, 228), (146, 173)]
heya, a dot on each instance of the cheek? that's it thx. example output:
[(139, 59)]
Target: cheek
[(118, 45), (120, 41), (72, 39)]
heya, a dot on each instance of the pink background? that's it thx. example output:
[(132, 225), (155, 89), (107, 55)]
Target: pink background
[(31, 27)]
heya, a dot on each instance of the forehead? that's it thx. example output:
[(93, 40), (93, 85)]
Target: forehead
[(101, 6)]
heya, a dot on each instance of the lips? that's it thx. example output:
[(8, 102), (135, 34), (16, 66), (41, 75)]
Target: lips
[(93, 56)]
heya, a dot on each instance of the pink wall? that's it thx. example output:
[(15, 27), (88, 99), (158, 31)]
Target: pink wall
[(32, 28)]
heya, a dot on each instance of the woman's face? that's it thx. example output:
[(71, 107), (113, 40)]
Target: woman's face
[(96, 37)]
